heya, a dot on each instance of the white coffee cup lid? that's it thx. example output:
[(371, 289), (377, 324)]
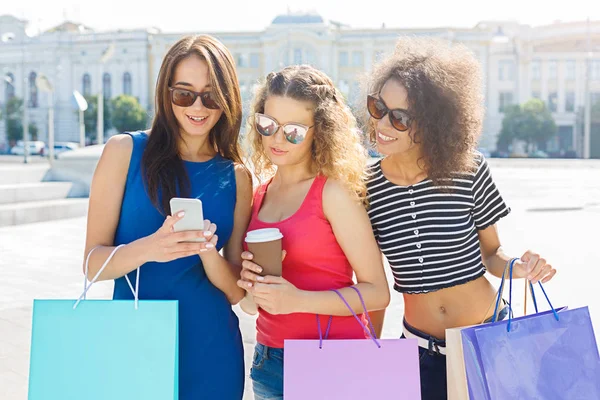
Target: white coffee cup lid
[(263, 235)]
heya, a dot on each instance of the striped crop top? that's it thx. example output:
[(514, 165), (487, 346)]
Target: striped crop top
[(429, 233)]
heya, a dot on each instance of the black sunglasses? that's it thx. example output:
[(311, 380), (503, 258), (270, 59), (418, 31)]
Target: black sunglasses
[(185, 98), (294, 133), (399, 118)]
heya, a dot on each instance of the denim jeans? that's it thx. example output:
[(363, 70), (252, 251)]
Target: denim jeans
[(432, 364), (267, 373)]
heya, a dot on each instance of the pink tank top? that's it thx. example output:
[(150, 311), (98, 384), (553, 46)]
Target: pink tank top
[(314, 261)]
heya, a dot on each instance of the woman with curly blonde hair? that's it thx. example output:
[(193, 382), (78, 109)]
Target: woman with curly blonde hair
[(433, 202), (306, 145)]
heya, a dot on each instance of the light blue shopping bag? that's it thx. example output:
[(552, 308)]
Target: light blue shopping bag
[(104, 349)]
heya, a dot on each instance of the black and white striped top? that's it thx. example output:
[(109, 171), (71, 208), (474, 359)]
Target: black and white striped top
[(429, 233)]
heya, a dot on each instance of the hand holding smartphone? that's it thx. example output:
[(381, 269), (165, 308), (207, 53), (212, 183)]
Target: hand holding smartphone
[(193, 219)]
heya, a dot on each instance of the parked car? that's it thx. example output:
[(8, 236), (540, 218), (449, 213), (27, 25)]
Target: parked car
[(499, 154), (61, 147), (538, 154), (35, 148)]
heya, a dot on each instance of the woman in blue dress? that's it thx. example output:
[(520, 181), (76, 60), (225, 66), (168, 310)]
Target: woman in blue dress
[(190, 151)]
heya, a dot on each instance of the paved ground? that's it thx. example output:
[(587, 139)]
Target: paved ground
[(556, 211)]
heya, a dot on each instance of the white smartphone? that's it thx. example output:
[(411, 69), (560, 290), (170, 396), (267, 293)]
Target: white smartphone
[(193, 219)]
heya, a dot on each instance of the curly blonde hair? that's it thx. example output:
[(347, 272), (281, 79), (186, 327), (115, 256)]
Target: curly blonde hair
[(445, 99), (337, 151)]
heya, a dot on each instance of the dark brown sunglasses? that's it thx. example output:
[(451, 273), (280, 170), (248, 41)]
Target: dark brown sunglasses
[(399, 118), (185, 98)]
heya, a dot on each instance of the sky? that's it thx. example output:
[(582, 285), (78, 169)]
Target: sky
[(248, 15)]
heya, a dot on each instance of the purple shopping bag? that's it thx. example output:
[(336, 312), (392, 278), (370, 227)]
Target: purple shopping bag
[(351, 369), (548, 355)]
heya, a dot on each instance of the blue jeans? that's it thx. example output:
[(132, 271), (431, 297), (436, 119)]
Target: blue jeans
[(432, 364), (267, 373)]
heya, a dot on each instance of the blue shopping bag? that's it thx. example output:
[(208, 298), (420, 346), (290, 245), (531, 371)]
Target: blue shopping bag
[(548, 355), (104, 349)]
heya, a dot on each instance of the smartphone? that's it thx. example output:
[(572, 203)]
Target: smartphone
[(193, 219)]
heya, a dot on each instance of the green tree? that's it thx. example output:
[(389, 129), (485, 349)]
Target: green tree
[(90, 117), (14, 122), (33, 131), (511, 126), (128, 114), (532, 123)]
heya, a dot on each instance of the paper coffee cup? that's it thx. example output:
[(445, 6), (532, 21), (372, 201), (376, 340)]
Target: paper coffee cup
[(265, 245)]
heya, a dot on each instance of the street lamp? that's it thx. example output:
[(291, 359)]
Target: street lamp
[(106, 55), (587, 118), (9, 81), (45, 86), (82, 105), (7, 38)]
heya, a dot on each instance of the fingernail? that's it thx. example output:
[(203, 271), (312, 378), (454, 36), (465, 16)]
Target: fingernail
[(209, 245), (249, 285), (259, 270), (180, 214), (207, 233), (260, 278)]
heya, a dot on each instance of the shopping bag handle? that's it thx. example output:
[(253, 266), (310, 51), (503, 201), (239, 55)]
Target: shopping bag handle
[(510, 277), (370, 331), (87, 287), (500, 293)]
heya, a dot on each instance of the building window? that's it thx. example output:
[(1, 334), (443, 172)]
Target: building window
[(506, 70), (596, 70), (309, 57), (553, 101), (127, 84), (570, 68), (106, 89), (254, 60), (553, 70), (594, 98), (379, 55), (536, 95), (536, 70), (357, 58), (86, 85), (297, 56), (343, 59), (9, 87), (33, 90), (240, 60), (506, 99), (570, 102), (244, 91), (344, 87)]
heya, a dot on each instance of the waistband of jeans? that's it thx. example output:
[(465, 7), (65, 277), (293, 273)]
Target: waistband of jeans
[(425, 341)]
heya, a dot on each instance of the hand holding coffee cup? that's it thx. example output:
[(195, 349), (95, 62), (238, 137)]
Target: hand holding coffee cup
[(252, 272), (264, 258)]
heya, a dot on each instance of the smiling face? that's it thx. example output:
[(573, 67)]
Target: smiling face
[(196, 120), (285, 110), (390, 140)]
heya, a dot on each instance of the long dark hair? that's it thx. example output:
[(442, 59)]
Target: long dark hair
[(163, 169)]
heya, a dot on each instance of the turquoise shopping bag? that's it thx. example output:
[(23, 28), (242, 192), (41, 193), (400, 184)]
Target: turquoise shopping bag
[(104, 349)]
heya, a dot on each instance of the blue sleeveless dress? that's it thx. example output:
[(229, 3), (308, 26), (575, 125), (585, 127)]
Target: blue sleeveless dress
[(211, 357)]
